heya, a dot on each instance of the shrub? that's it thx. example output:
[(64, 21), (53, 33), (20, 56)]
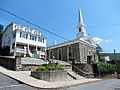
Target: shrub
[(49, 67), (106, 68)]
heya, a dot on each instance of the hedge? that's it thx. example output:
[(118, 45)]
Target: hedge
[(106, 68), (49, 67)]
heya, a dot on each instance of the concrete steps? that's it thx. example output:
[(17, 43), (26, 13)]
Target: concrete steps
[(72, 74), (32, 61)]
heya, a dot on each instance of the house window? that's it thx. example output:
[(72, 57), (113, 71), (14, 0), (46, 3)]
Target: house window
[(26, 36), (35, 38), (39, 39), (23, 35), (30, 37), (20, 34), (43, 40)]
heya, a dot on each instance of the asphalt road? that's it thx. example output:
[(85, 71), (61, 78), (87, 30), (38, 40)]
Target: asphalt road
[(102, 85), (7, 81)]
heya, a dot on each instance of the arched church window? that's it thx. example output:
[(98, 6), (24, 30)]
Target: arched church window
[(51, 54), (89, 52), (69, 53), (59, 54)]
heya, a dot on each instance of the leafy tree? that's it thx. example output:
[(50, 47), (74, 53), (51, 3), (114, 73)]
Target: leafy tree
[(98, 50)]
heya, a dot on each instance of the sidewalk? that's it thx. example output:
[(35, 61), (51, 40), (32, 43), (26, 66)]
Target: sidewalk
[(24, 77)]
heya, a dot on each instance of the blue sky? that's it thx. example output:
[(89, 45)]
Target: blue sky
[(101, 17)]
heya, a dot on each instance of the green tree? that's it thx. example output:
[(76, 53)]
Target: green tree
[(98, 50)]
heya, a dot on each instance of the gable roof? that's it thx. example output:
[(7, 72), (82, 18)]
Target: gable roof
[(86, 41)]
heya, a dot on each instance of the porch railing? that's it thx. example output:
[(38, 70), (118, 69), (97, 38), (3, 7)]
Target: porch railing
[(20, 50)]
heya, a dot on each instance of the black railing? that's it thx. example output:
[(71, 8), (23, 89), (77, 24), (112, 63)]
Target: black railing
[(81, 72)]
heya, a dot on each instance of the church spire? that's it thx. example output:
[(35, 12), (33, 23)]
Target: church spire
[(81, 26), (80, 15)]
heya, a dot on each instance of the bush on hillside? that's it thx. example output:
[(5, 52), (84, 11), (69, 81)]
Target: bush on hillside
[(49, 67), (106, 68)]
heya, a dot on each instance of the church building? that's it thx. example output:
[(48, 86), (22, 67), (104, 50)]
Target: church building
[(82, 48)]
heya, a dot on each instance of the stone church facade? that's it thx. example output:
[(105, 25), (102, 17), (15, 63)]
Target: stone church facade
[(82, 48)]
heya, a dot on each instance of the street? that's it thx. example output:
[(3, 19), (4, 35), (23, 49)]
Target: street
[(102, 85)]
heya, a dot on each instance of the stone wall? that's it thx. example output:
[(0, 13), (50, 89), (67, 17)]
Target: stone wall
[(29, 67), (75, 52), (84, 54), (85, 70), (13, 63), (50, 75), (79, 50)]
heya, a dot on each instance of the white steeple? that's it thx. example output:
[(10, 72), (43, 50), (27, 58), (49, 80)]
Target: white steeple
[(81, 26)]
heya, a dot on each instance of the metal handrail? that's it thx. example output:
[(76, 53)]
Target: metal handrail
[(81, 70)]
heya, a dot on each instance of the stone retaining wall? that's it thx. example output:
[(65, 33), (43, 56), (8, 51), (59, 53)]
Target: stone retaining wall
[(60, 75), (82, 69), (13, 63)]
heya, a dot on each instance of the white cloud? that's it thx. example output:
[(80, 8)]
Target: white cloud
[(110, 40), (98, 40)]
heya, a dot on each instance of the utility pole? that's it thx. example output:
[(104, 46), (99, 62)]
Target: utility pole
[(115, 56)]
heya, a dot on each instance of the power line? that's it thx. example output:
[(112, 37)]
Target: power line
[(33, 24), (44, 29), (100, 26)]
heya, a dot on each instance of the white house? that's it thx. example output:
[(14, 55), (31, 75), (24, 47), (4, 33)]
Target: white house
[(25, 41)]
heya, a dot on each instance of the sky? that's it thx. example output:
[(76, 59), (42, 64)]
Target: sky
[(101, 17)]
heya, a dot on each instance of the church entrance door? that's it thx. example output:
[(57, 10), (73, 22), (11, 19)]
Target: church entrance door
[(89, 59)]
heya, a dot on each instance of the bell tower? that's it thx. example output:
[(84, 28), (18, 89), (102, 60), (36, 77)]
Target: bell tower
[(81, 32)]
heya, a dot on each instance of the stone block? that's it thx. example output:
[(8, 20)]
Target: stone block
[(50, 75)]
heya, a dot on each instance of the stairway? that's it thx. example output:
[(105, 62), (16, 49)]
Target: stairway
[(32, 61), (73, 74), (29, 52)]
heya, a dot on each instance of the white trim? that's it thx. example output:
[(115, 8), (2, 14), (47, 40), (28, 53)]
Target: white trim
[(72, 42)]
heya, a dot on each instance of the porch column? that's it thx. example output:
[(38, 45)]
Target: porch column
[(14, 52), (27, 47), (36, 48), (45, 53)]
